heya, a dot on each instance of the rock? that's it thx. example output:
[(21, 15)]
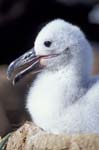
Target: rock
[(31, 137)]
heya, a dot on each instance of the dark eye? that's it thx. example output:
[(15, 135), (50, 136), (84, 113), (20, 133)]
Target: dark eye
[(67, 49), (47, 43)]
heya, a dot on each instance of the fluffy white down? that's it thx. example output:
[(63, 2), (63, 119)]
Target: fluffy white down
[(65, 100)]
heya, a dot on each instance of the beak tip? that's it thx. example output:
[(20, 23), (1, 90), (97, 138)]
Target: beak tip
[(13, 82), (28, 58), (16, 79)]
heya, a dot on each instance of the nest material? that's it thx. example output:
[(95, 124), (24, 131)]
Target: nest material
[(31, 137)]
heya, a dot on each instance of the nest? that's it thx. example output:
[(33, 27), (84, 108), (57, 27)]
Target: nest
[(31, 137)]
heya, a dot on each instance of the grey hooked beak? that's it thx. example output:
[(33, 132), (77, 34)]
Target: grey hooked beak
[(30, 60)]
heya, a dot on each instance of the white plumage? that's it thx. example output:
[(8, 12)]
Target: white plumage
[(64, 97)]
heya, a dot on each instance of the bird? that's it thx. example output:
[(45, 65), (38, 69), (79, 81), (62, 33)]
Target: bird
[(64, 98)]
